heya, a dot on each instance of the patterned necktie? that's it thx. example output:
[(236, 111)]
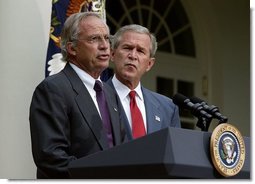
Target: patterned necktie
[(102, 104), (138, 128)]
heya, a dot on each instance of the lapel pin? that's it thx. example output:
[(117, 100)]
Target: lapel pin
[(115, 109), (157, 118)]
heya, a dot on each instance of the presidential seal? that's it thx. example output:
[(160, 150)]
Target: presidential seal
[(227, 150)]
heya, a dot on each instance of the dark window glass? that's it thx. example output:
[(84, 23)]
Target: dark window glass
[(187, 89), (184, 43), (165, 86), (177, 17)]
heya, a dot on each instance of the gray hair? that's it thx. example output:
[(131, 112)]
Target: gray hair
[(115, 39), (71, 29)]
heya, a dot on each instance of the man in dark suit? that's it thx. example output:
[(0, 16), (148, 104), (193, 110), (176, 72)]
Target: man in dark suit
[(133, 51), (65, 118)]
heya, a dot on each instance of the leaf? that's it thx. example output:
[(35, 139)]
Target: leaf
[(55, 22), (54, 1)]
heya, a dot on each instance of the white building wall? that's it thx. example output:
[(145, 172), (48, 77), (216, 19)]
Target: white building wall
[(23, 43)]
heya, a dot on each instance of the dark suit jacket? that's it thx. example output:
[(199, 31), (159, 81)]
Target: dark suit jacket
[(161, 112), (65, 124)]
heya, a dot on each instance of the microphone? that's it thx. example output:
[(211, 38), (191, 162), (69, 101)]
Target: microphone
[(213, 110), (196, 109)]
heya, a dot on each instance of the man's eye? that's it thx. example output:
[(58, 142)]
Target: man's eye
[(107, 38), (94, 38), (97, 39), (126, 48)]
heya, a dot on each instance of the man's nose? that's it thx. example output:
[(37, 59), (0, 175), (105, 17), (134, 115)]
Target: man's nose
[(133, 53)]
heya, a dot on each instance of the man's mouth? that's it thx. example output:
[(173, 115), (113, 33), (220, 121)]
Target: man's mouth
[(130, 65), (103, 56)]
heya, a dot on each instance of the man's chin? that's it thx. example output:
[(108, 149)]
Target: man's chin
[(104, 64), (128, 76)]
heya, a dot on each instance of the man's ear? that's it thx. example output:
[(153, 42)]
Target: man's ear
[(150, 64), (71, 49), (112, 55)]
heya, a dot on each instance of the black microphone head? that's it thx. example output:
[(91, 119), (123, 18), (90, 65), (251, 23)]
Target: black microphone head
[(179, 99), (196, 100), (196, 109)]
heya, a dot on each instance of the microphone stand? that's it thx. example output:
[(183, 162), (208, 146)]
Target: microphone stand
[(204, 119), (203, 123)]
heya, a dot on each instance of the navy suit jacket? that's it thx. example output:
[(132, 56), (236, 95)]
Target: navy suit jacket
[(161, 112), (65, 124)]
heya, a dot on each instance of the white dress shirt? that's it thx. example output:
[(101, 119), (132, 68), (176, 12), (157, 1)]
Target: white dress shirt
[(89, 83), (123, 92)]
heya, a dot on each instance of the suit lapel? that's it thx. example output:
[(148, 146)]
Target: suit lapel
[(153, 114), (114, 114), (88, 110), (123, 114)]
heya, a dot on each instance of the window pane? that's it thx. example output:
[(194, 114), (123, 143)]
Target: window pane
[(187, 89), (177, 17), (165, 86), (184, 43)]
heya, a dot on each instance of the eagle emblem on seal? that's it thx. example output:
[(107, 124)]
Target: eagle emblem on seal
[(228, 152)]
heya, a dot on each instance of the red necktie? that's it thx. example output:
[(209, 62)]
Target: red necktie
[(138, 128)]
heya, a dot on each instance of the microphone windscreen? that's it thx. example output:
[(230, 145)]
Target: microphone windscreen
[(196, 100), (179, 99)]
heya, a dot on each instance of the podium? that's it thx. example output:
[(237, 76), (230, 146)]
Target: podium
[(168, 153)]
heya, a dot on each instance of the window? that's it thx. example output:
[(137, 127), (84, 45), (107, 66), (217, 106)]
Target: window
[(167, 19)]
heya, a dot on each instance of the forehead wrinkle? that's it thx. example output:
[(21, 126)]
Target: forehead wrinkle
[(137, 42), (94, 25)]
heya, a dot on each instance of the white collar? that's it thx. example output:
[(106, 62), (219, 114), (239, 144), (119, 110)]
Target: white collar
[(123, 90), (87, 79)]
